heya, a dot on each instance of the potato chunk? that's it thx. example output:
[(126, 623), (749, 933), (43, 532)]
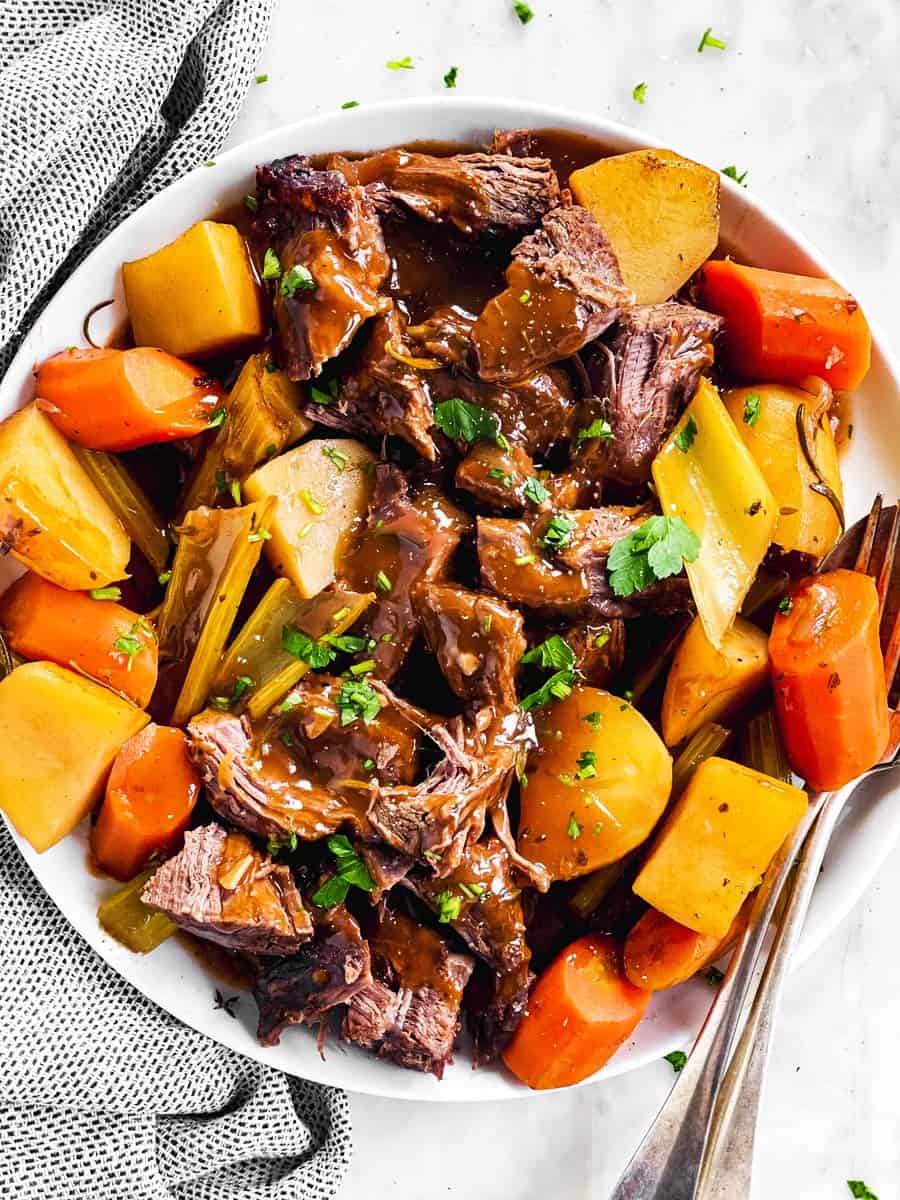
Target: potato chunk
[(51, 515), (196, 296), (716, 843), (597, 783), (706, 683), (323, 489), (660, 212), (60, 733)]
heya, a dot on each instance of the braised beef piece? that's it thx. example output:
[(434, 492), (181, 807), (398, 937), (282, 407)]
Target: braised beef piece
[(410, 1011), (385, 865), (495, 476), (255, 781), (564, 288), (408, 541), (321, 222), (658, 354), (495, 1004), (599, 649), (446, 336), (220, 887), (326, 972), (476, 639), (378, 393), (518, 142), (476, 193)]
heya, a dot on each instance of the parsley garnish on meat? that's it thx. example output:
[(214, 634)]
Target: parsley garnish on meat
[(554, 654), (598, 428), (450, 77), (656, 550), (324, 398), (751, 408), (684, 439), (449, 906), (271, 265), (400, 64), (732, 173), (356, 700), (677, 1059), (535, 491), (297, 279), (558, 533), (466, 422), (106, 593), (709, 40), (639, 93), (523, 11), (351, 872), (383, 582)]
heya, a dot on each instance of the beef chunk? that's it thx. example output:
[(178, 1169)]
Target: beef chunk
[(324, 222), (513, 566), (253, 780), (476, 639), (518, 142), (378, 393), (221, 888), (563, 290), (599, 649), (494, 1007), (408, 541), (495, 476), (658, 353), (387, 866), (326, 972), (410, 1011), (475, 193)]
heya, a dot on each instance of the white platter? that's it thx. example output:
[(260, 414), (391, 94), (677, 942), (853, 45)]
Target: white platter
[(172, 976)]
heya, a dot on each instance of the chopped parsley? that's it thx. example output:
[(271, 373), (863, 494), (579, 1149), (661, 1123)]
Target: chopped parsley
[(450, 77), (279, 842), (499, 473), (314, 505), (639, 93), (535, 491), (522, 560), (324, 398), (471, 891), (684, 439), (557, 687), (558, 533), (677, 1059), (751, 408), (271, 264), (262, 79), (554, 654), (261, 535), (321, 653), (164, 577), (351, 872), (218, 418), (297, 279), (335, 456), (656, 550), (859, 1190), (240, 687), (130, 643), (363, 668), (350, 104), (708, 39), (235, 489), (382, 582), (356, 700), (400, 64), (466, 422), (587, 765), (251, 204), (525, 297), (598, 428), (594, 719), (573, 829), (448, 906), (732, 173), (523, 11), (106, 593), (785, 604)]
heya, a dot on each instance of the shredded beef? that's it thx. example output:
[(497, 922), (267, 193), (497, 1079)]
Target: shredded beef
[(221, 888)]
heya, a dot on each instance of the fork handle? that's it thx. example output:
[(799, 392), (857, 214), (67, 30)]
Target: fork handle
[(728, 1162)]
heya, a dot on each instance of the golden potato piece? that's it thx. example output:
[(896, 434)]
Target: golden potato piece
[(196, 296), (323, 488), (51, 515), (60, 733), (660, 212)]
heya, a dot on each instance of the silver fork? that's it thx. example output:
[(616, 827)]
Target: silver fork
[(700, 1145)]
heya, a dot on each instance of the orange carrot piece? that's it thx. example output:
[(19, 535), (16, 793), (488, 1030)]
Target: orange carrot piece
[(150, 795), (580, 1012), (784, 327), (100, 638), (659, 953), (121, 399), (828, 678)]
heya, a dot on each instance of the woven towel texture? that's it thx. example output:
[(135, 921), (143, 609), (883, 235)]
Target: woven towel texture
[(106, 1097)]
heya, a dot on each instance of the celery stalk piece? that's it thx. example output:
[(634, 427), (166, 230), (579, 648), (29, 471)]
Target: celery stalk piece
[(257, 652), (762, 747), (713, 484), (706, 743), (126, 918), (217, 552), (139, 518), (594, 888), (262, 419)]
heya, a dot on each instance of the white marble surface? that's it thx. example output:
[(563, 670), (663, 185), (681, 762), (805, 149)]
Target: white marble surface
[(807, 99)]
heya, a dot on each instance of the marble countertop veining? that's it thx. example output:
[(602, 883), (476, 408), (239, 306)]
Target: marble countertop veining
[(806, 98)]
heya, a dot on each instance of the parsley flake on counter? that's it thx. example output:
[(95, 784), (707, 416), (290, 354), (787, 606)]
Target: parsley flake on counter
[(262, 79), (350, 104), (523, 11), (449, 907), (271, 264), (558, 533), (732, 173), (785, 604), (573, 829), (351, 872), (400, 64), (106, 593), (751, 408), (450, 77), (598, 428), (554, 654), (466, 422), (859, 1190), (656, 550), (218, 417), (639, 93), (535, 491), (358, 699), (684, 439), (677, 1059), (297, 279), (708, 39)]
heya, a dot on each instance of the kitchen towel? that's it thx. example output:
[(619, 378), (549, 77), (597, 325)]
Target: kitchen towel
[(105, 1096)]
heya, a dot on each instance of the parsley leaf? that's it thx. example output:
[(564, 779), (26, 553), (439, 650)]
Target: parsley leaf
[(587, 765), (535, 491), (106, 593), (288, 841), (732, 173), (708, 40), (594, 719), (684, 439), (639, 93), (466, 422), (449, 906), (558, 533), (400, 64), (324, 398), (297, 279), (785, 604), (358, 699), (130, 643), (351, 872), (523, 11), (677, 1058), (598, 428), (557, 687), (218, 417), (554, 654), (301, 645), (656, 550), (350, 104), (859, 1190), (335, 456), (751, 409), (573, 830), (271, 265), (450, 77), (241, 686)]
